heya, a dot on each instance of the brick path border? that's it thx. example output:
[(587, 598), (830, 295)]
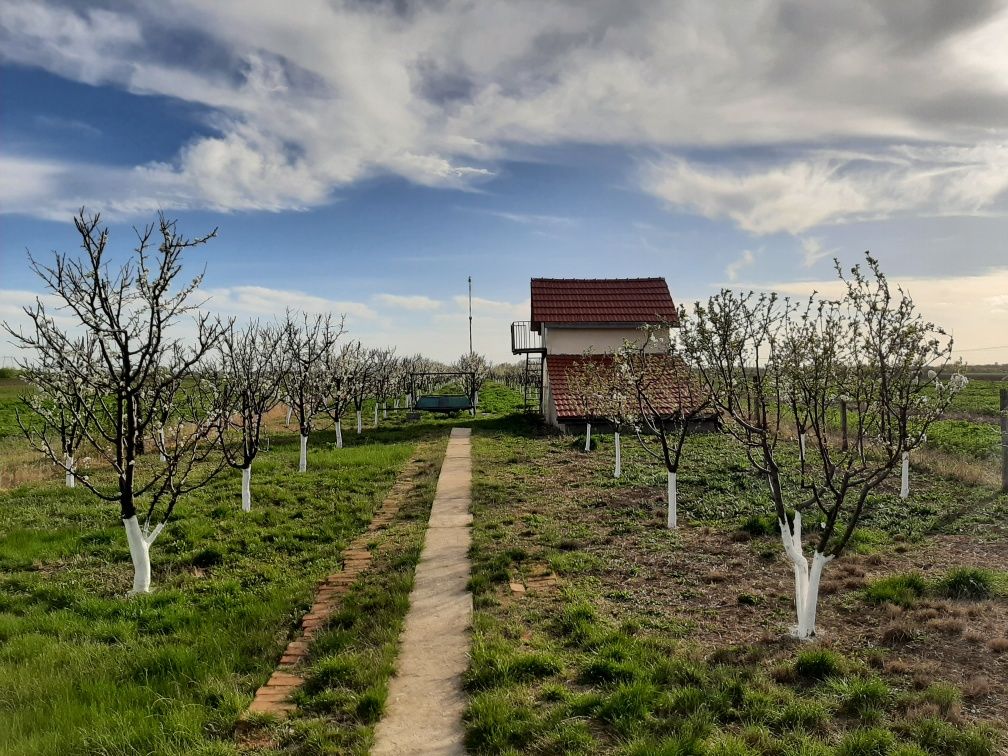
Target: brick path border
[(273, 698)]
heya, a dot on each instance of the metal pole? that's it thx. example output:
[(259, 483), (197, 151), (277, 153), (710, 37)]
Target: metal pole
[(1004, 440), (470, 317)]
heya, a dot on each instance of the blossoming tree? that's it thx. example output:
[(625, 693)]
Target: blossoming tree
[(764, 358)]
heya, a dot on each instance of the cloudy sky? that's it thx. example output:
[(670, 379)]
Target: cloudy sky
[(366, 157)]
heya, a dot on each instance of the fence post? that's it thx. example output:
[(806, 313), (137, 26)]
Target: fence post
[(1004, 440)]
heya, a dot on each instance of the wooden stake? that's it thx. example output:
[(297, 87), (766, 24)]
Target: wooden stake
[(1004, 440)]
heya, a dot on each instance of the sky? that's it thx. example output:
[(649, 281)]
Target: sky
[(367, 157)]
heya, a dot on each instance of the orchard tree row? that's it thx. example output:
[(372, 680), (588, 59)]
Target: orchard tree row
[(116, 373), (769, 371)]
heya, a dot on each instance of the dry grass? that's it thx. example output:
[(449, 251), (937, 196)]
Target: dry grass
[(998, 645)]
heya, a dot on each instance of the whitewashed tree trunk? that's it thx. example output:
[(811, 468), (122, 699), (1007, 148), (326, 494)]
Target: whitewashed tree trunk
[(587, 436), (384, 409), (807, 577), (905, 478), (619, 461), (160, 435), (139, 547), (339, 434), (71, 479), (289, 411), (303, 464), (396, 405), (673, 502), (376, 414), (801, 445), (246, 488), (358, 422)]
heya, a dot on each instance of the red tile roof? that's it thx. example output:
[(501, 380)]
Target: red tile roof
[(669, 391), (602, 300)]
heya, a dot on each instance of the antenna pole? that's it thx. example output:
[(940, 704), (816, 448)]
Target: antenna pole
[(470, 317)]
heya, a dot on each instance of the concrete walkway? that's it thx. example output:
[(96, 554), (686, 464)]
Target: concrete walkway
[(425, 701)]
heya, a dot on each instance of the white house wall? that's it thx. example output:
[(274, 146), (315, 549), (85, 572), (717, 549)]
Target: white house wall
[(562, 340)]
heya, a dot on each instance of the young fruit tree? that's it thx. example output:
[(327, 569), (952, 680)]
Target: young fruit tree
[(589, 387), (477, 370), (249, 370), (307, 342), (383, 379), (58, 409), (362, 382), (665, 401), (128, 316), (340, 367), (763, 358)]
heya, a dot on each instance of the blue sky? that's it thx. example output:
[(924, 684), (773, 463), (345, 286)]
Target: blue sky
[(368, 157)]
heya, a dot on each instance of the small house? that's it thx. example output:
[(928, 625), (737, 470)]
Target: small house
[(574, 319)]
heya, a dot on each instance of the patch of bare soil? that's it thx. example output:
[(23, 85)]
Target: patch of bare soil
[(733, 590)]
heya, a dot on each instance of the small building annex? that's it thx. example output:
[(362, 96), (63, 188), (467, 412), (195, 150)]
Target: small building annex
[(572, 316)]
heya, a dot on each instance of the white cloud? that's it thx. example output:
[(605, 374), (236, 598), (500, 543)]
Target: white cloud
[(813, 251), (745, 260), (408, 302), (832, 186), (307, 102), (261, 300)]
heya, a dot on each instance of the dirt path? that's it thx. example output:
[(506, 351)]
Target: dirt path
[(425, 700)]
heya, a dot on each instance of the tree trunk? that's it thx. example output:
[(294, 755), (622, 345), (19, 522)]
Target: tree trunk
[(71, 479), (289, 411), (801, 446), (673, 503), (806, 578), (384, 409), (587, 436), (619, 466), (160, 435), (339, 434), (358, 422), (396, 404), (376, 414), (905, 478), (246, 491), (139, 548), (303, 464)]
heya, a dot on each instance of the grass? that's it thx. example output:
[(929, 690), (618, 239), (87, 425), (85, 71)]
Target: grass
[(588, 669), (85, 670)]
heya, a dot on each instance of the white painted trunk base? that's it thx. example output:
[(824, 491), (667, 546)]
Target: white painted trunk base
[(139, 547), (801, 446), (376, 415), (160, 435), (396, 404), (339, 434), (807, 577), (246, 489), (289, 411), (905, 478), (587, 436), (384, 409), (673, 503), (68, 462), (619, 462), (358, 422), (303, 463)]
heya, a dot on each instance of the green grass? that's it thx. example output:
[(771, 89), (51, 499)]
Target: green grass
[(85, 670), (977, 440), (903, 589), (593, 669), (980, 397), (967, 583), (11, 388)]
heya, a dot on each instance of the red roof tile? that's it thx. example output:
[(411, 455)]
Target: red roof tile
[(602, 300), (669, 391)]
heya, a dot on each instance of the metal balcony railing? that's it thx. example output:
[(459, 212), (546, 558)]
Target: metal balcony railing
[(524, 340)]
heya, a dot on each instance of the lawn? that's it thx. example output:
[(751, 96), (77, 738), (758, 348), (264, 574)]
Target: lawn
[(629, 638), (85, 670)]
